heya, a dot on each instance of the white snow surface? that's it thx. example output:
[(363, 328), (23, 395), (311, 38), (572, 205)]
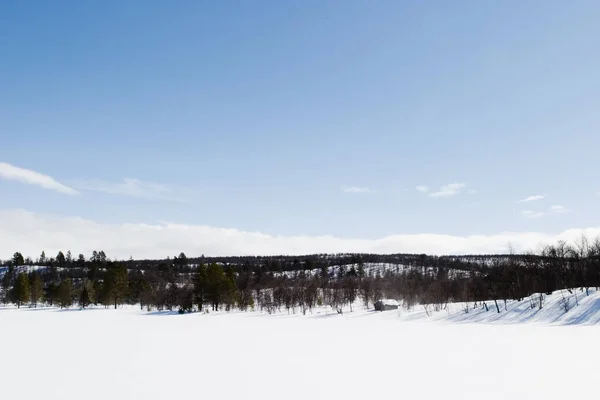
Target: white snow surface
[(582, 310), (132, 354)]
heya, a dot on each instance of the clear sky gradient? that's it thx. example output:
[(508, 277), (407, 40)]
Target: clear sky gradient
[(304, 118)]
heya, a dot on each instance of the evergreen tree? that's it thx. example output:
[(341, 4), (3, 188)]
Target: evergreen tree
[(172, 296), (143, 292), (51, 293), (42, 259), (97, 291), (65, 293), (180, 261), (91, 288), (186, 299), (200, 284), (229, 288), (116, 284), (53, 274), (81, 261), (84, 299), (104, 293), (93, 272), (361, 270), (214, 281), (18, 259), (37, 288), (60, 259), (21, 289)]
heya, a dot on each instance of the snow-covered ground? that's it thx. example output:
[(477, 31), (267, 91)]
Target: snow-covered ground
[(560, 308), (128, 353)]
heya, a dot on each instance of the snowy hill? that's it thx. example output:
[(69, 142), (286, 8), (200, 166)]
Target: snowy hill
[(559, 308), (24, 268)]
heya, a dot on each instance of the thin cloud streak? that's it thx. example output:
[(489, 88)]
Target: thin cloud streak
[(559, 209), (532, 198), (13, 173), (131, 187), (449, 190), (532, 214), (355, 189)]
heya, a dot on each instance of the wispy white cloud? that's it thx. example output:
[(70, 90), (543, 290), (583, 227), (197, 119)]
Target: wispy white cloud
[(532, 198), (423, 189), (12, 173), (136, 188), (472, 191), (559, 209), (532, 214), (355, 189), (449, 190), (30, 233)]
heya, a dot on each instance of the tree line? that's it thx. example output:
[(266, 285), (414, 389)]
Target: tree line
[(298, 284)]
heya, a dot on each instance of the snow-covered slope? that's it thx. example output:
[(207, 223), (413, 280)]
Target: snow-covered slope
[(559, 308), (24, 268)]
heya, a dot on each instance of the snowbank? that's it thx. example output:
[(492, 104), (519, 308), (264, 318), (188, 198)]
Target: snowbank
[(560, 308)]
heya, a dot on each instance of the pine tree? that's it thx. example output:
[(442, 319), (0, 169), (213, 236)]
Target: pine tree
[(91, 289), (361, 270), (104, 293), (180, 261), (51, 293), (42, 260), (215, 278), (65, 290), (229, 288), (18, 259), (84, 299), (81, 261), (220, 286), (116, 284), (21, 289), (143, 292), (60, 259), (97, 289), (200, 285), (172, 296), (37, 288)]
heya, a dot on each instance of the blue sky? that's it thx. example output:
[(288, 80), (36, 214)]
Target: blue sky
[(267, 117)]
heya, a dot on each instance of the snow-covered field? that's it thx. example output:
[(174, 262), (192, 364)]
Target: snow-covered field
[(131, 354)]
